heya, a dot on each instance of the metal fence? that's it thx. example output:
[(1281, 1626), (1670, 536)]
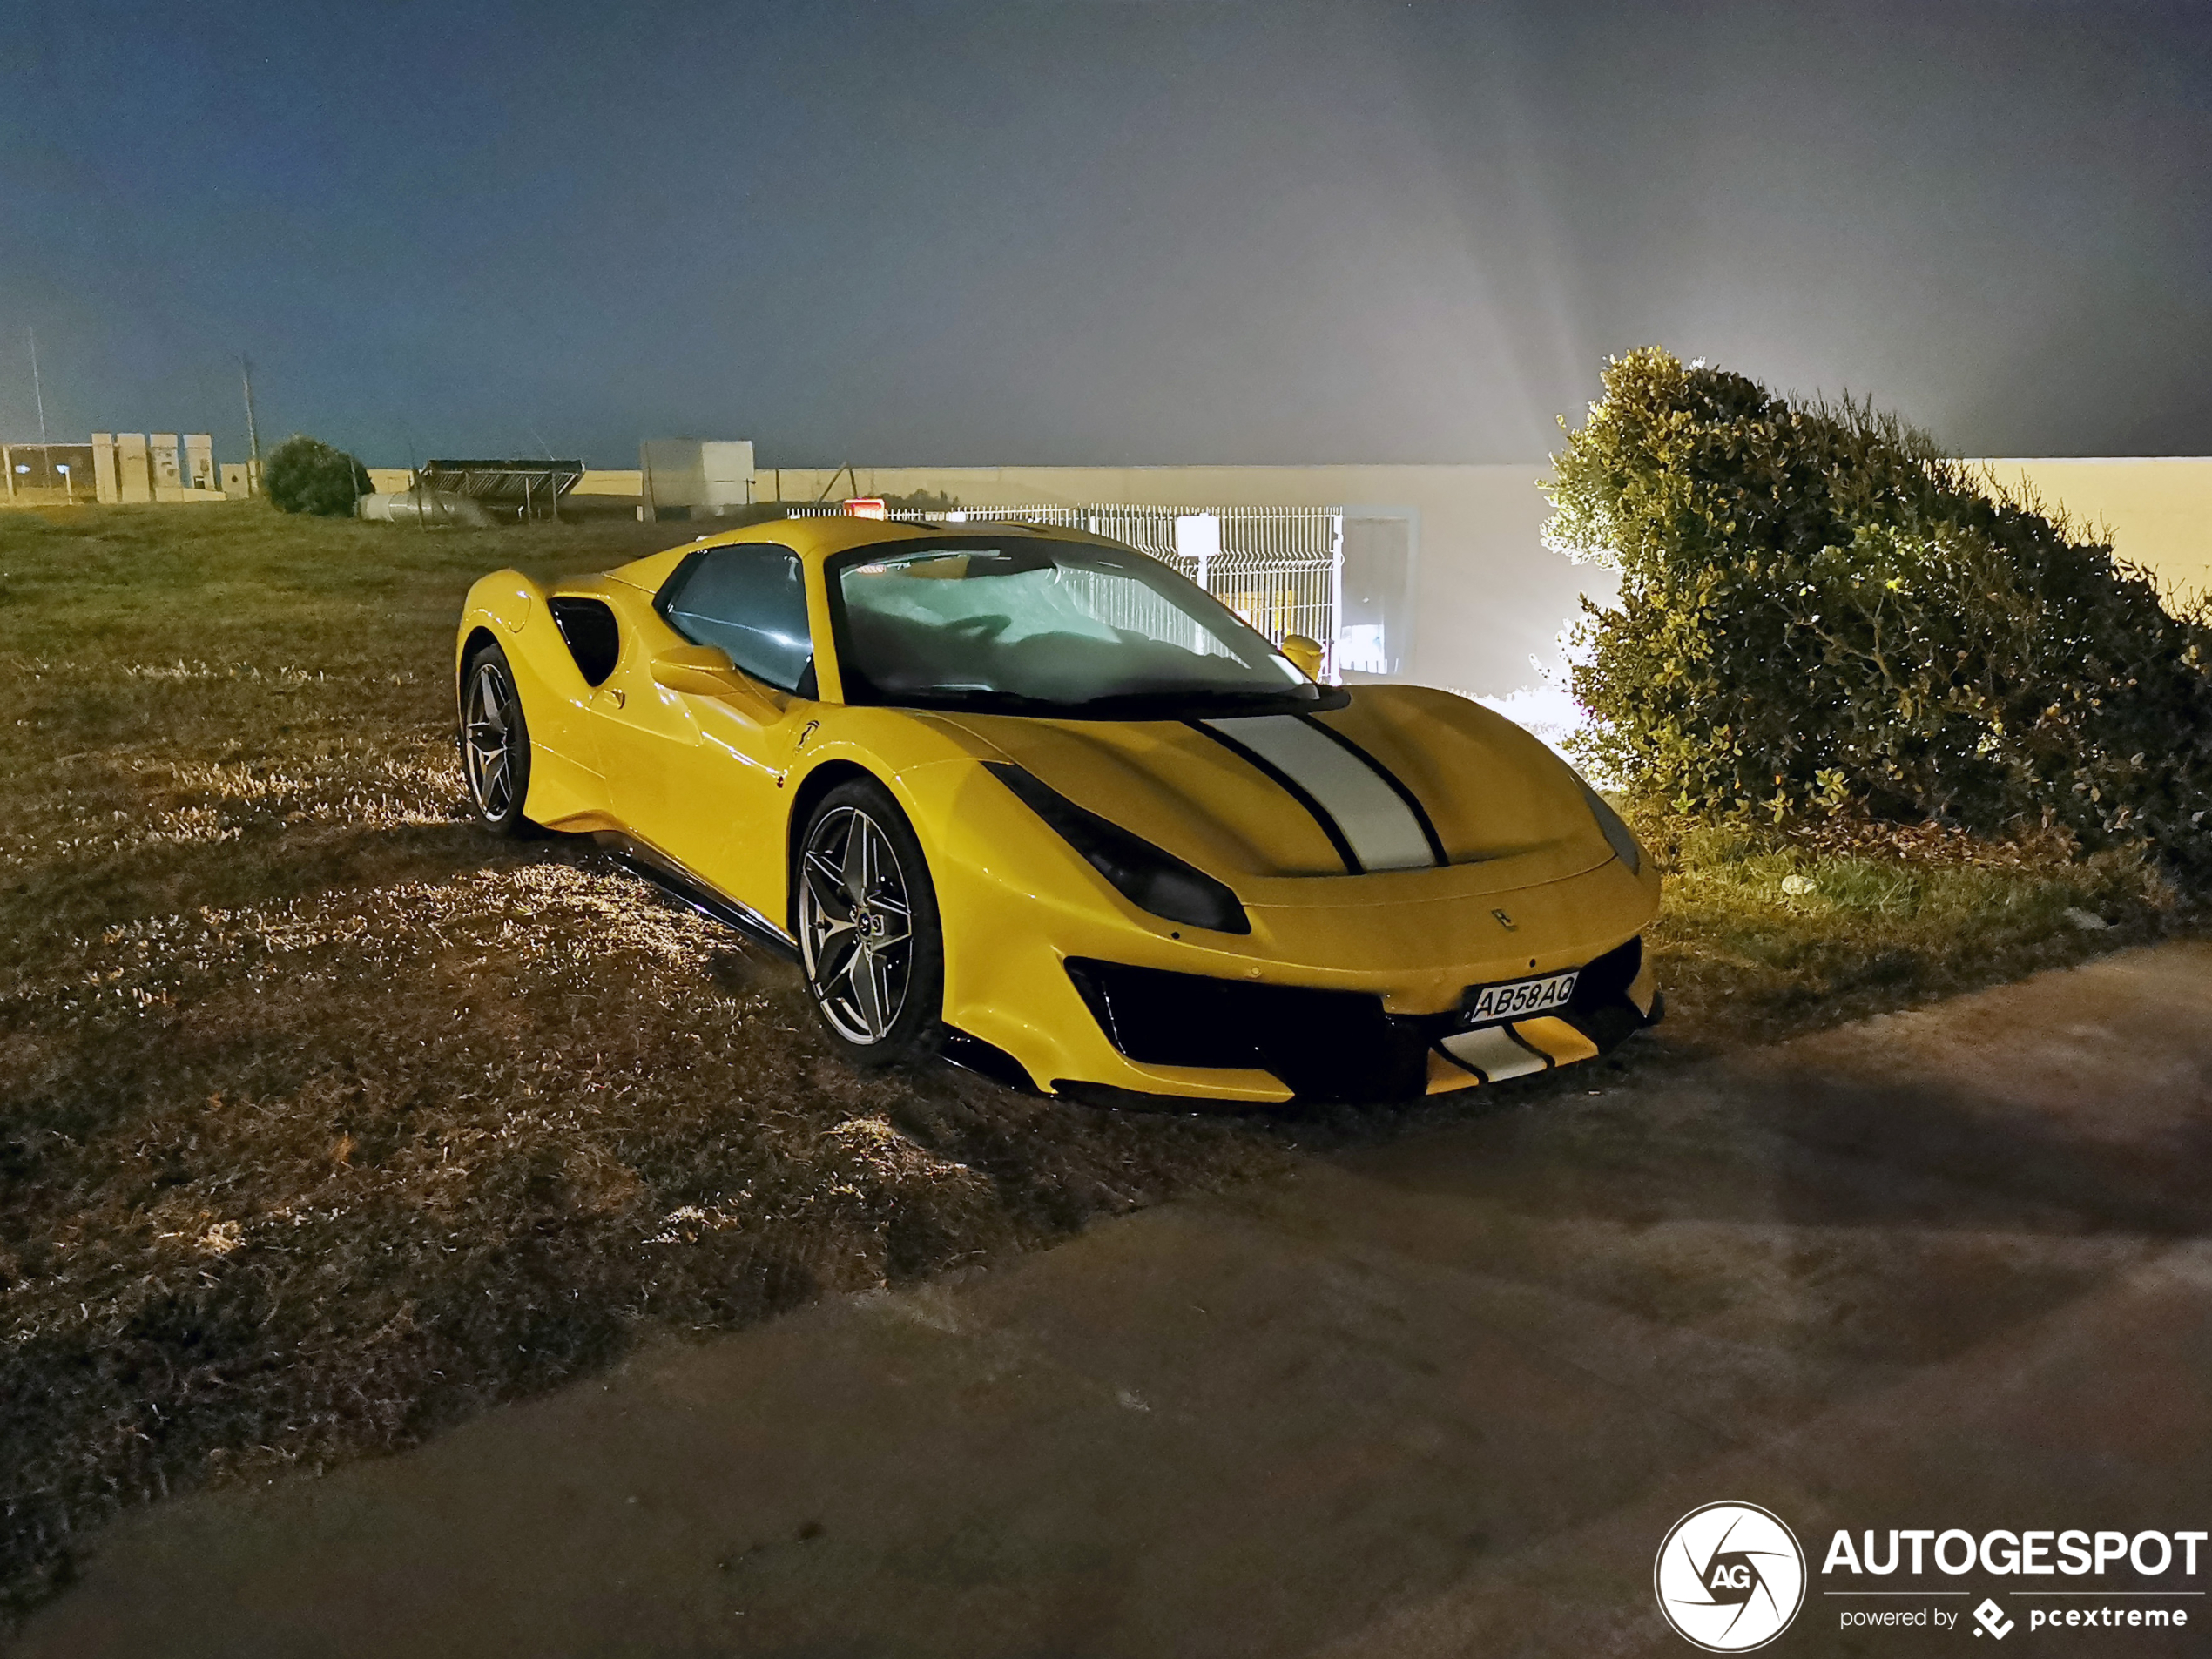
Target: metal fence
[(1281, 569)]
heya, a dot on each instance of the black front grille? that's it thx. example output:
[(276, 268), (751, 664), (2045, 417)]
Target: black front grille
[(1606, 981), (1600, 1008), (1325, 1045)]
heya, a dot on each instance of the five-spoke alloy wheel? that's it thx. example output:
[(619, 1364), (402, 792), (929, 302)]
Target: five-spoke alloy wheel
[(495, 742), (867, 926)]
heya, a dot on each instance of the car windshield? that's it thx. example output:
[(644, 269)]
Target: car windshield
[(1045, 625)]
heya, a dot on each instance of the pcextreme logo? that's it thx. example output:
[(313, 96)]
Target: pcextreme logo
[(1729, 1577), (1895, 1579)]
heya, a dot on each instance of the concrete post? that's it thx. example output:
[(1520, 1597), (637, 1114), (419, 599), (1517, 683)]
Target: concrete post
[(104, 487), (200, 460), (133, 481), (162, 453)]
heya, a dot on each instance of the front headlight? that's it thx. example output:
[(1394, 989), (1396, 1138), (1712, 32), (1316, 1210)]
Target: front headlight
[(1150, 878), (1618, 836)]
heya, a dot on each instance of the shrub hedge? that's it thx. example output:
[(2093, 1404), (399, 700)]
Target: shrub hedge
[(1822, 615), (304, 474)]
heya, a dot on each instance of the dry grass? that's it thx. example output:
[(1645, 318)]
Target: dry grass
[(1765, 934), (326, 1120)]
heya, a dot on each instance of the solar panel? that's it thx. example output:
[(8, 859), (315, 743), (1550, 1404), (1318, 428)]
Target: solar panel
[(527, 486)]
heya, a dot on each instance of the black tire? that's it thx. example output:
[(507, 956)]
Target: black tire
[(494, 743), (879, 1005)]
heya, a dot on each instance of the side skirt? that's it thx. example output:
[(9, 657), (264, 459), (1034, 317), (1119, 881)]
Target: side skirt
[(688, 890), (959, 1049)]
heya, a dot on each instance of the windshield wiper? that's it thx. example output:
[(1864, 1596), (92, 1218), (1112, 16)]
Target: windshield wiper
[(1187, 700), (1168, 704), (975, 700)]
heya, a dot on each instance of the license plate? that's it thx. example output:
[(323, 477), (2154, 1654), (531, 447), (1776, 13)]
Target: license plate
[(1516, 999)]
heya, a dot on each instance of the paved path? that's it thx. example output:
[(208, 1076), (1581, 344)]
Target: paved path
[(1949, 1268)]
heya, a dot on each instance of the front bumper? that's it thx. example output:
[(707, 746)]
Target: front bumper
[(1344, 1046), (1375, 963)]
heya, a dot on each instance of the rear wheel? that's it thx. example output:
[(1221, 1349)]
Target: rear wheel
[(495, 742), (868, 931)]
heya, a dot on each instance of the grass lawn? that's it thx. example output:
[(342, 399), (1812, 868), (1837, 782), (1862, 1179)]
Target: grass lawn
[(326, 1120)]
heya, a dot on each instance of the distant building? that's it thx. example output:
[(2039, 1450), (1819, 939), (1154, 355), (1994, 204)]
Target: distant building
[(132, 466), (684, 478), (45, 473)]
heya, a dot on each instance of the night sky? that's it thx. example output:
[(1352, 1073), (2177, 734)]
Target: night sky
[(1073, 232)]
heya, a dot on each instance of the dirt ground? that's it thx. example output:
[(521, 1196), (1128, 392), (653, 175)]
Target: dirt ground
[(1442, 1396)]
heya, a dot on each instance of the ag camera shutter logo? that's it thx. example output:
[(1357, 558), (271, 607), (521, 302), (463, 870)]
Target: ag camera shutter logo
[(1729, 1577)]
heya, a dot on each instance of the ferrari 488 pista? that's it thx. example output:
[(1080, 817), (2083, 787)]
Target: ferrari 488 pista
[(1029, 800)]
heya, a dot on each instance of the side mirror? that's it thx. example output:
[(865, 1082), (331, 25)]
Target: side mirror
[(705, 670), (1305, 654)]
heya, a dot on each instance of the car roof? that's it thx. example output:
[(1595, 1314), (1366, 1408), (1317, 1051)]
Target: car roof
[(815, 539)]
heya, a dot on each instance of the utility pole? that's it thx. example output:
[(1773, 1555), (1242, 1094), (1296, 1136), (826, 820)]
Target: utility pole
[(38, 396), (252, 432)]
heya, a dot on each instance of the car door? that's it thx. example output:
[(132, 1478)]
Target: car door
[(696, 753)]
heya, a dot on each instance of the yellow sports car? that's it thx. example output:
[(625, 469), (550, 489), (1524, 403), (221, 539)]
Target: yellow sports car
[(1029, 800)]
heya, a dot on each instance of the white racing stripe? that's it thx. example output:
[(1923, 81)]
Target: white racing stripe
[(1494, 1054), (1382, 830)]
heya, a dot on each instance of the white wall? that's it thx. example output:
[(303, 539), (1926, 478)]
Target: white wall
[(2157, 510)]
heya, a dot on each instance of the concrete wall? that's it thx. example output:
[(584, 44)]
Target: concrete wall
[(2157, 511), (625, 482)]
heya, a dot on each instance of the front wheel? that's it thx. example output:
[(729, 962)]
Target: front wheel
[(868, 931), (495, 742)]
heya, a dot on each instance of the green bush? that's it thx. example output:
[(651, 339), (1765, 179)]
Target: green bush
[(304, 474), (1821, 615)]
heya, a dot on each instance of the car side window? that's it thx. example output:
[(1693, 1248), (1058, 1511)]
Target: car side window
[(750, 601)]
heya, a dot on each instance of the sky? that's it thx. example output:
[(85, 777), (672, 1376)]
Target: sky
[(1070, 231)]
